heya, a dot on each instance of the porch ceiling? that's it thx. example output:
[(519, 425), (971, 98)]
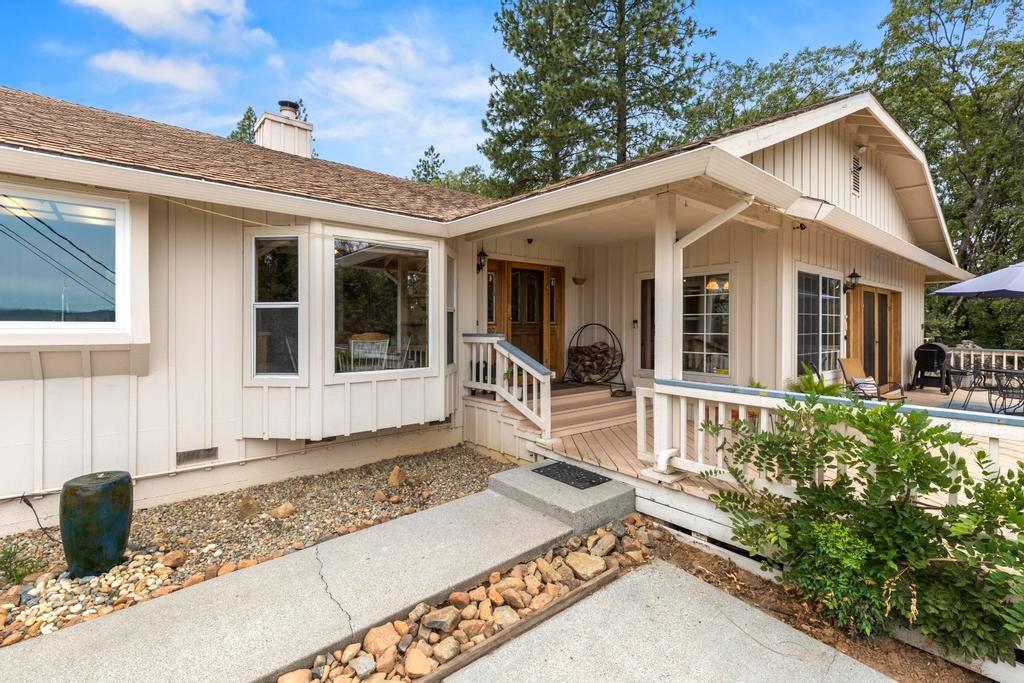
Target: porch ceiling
[(697, 200)]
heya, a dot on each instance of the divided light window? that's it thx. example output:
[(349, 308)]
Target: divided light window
[(381, 306), (819, 322), (276, 305), (57, 259), (450, 310), (706, 324)]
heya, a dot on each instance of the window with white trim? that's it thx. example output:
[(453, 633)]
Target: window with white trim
[(706, 324), (819, 322), (276, 305), (449, 304), (381, 306), (59, 257)]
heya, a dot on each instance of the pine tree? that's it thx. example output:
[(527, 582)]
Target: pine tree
[(428, 168), (537, 130), (599, 82), (245, 131)]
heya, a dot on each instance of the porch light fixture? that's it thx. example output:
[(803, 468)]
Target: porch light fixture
[(852, 280), (579, 279), (481, 260)]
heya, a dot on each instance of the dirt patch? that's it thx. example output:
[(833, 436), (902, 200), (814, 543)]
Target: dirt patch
[(887, 655)]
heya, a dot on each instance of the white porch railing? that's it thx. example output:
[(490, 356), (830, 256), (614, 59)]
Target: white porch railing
[(501, 367), (1000, 437), (967, 356)]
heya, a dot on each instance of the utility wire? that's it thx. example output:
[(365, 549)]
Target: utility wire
[(54, 243), (61, 235), (50, 261)]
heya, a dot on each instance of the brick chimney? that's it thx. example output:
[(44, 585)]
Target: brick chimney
[(284, 131)]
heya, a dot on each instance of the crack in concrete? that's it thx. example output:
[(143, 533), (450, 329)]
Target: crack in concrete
[(327, 589)]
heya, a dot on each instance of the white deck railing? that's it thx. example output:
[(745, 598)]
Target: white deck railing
[(1000, 437), (501, 367), (965, 356)]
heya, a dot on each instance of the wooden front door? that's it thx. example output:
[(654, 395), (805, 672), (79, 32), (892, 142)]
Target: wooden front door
[(525, 302), (875, 335)]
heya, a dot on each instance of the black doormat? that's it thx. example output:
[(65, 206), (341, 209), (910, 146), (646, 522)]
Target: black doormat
[(577, 477)]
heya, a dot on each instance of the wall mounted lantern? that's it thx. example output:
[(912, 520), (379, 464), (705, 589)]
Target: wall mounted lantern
[(852, 280), (481, 260)]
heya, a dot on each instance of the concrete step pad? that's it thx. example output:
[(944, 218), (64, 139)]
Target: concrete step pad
[(583, 510), (256, 623)]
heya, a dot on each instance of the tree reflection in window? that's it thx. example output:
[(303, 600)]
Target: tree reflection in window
[(381, 306)]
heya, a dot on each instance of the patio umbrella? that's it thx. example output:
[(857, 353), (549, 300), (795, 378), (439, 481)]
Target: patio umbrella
[(1006, 283)]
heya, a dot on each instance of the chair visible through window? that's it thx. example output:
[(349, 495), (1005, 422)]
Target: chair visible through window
[(369, 351)]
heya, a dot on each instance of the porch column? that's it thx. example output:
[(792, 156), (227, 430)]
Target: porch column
[(668, 341)]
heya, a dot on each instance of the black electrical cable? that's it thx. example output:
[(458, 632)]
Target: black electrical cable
[(67, 239), (31, 507), (49, 260)]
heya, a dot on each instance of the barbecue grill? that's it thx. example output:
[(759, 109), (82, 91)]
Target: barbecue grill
[(931, 367)]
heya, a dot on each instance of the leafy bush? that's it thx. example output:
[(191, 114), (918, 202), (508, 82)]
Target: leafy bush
[(13, 567), (810, 382), (864, 536)]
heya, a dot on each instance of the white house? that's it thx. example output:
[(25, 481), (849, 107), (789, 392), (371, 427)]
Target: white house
[(206, 314)]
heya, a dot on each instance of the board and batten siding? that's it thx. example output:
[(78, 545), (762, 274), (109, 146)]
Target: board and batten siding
[(82, 410), (819, 163)]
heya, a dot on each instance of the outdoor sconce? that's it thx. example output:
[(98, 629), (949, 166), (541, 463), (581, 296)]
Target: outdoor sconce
[(481, 260), (852, 280)]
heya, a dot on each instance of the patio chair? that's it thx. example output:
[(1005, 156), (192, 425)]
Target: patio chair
[(1009, 394), (865, 386), (368, 354), (970, 379)]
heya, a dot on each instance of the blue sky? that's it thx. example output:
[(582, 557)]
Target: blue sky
[(382, 79)]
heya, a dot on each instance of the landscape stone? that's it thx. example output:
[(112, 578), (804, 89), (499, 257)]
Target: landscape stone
[(380, 638), (505, 616), (459, 599), (404, 643), (350, 652), (603, 545), (386, 660), (173, 559), (298, 676), (247, 508), (417, 664), (397, 476), (283, 511), (446, 649), (584, 565), (363, 665), (477, 594), (419, 611), (443, 619)]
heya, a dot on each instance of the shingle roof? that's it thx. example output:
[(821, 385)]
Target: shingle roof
[(56, 126)]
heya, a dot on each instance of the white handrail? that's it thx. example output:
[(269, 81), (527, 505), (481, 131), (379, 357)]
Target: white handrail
[(499, 366), (964, 356), (999, 437)]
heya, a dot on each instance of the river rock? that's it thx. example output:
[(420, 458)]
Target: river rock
[(380, 638), (446, 649), (505, 616), (603, 545), (363, 665), (443, 619), (282, 511), (417, 664)]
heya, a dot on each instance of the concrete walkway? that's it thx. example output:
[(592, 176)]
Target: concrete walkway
[(661, 624), (253, 623)]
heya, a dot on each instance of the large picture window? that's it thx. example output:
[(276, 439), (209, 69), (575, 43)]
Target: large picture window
[(276, 305), (57, 259), (819, 322), (381, 306), (706, 324)]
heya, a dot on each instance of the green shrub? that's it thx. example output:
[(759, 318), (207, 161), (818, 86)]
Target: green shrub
[(13, 567), (864, 541)]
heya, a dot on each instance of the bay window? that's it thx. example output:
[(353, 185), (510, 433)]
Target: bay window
[(706, 324), (381, 306), (59, 259), (819, 322)]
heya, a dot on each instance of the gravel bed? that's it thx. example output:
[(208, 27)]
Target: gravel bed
[(183, 543)]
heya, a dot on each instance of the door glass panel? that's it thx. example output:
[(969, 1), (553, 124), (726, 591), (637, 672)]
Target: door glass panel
[(869, 333), (647, 324), (882, 359)]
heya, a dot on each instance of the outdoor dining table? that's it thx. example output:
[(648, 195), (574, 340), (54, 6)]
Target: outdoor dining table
[(1004, 387)]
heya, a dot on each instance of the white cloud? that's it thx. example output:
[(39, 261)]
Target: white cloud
[(395, 95), (183, 74), (224, 21), (274, 62)]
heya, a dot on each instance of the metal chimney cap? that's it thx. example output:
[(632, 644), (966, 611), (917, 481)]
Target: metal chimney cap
[(289, 109)]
